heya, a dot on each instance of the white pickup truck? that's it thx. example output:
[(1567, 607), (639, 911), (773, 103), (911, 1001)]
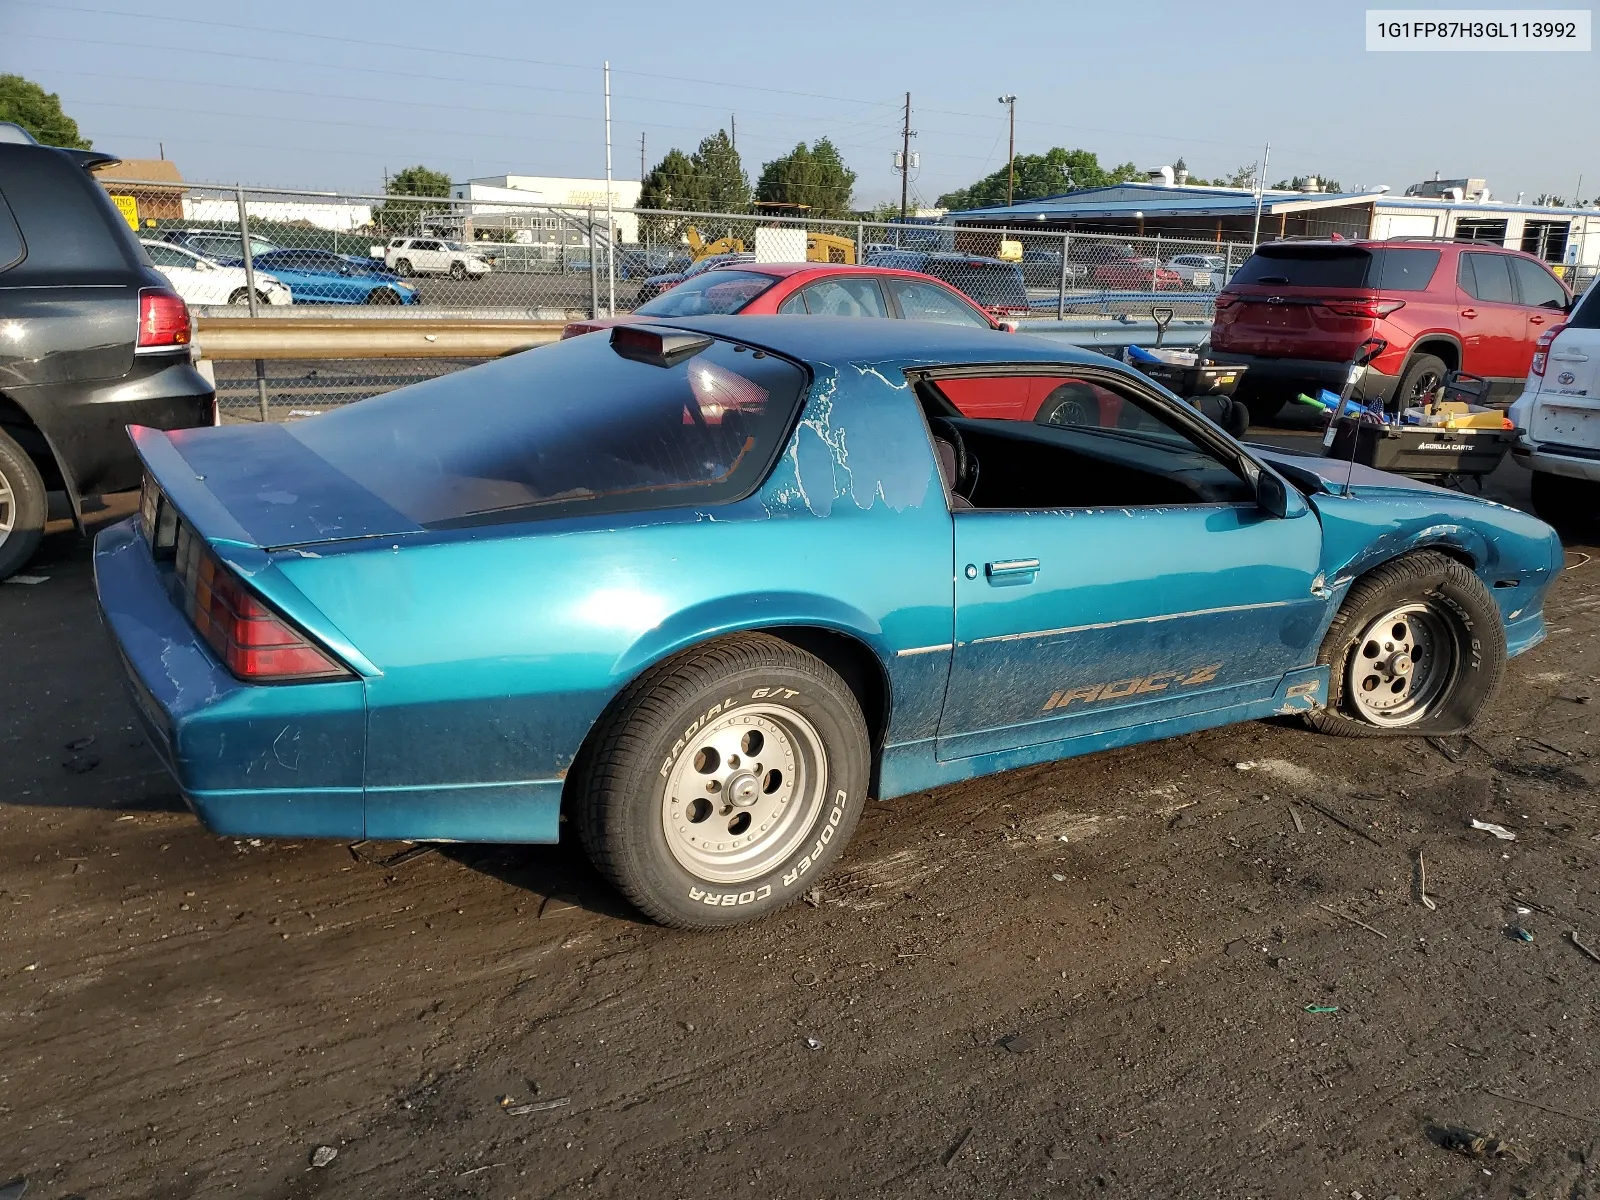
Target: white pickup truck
[(413, 256)]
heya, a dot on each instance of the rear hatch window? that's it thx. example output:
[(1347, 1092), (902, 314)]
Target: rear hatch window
[(710, 294), (567, 430), (1387, 269), (991, 284), (1587, 314)]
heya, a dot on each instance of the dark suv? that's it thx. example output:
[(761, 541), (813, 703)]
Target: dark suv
[(92, 340), (1301, 314), (995, 286)]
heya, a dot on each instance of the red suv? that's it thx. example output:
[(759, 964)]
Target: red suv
[(1300, 314)]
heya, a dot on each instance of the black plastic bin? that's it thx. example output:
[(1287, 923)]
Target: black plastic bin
[(1421, 449), (1189, 381)]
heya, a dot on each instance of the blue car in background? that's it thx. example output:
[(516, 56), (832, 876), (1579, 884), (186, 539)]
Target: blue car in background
[(323, 277), (687, 586)]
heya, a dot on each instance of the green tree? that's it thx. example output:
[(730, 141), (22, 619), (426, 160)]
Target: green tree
[(727, 187), (673, 183), (405, 216), (1548, 200), (814, 176), (1294, 185), (39, 112), (1039, 175)]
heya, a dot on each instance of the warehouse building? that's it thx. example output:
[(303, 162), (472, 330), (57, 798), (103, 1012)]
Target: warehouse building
[(1567, 238)]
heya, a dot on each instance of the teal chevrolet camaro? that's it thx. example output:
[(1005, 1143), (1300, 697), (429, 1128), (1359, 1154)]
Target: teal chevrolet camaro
[(705, 585)]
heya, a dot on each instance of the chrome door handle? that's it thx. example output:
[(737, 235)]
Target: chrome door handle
[(1012, 570)]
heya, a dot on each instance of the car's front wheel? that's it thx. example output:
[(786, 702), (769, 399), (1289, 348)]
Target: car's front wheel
[(1417, 649), (383, 295), (724, 782), (1564, 502), (23, 507), (458, 270)]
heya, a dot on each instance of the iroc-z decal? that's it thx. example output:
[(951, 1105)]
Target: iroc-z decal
[(1138, 685)]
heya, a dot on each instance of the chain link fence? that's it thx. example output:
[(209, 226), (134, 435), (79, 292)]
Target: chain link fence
[(350, 253)]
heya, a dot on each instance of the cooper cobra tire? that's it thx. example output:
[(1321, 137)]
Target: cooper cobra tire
[(1416, 650), (724, 782), (23, 507)]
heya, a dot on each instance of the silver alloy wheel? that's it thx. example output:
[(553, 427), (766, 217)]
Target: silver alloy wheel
[(743, 793), (8, 508), (1403, 662)]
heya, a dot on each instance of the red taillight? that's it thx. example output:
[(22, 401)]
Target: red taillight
[(1363, 308), (1224, 300), (1541, 348), (163, 319), (250, 639)]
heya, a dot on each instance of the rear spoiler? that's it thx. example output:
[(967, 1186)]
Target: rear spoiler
[(90, 160), (185, 490)]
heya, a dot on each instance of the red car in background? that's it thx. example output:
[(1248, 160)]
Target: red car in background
[(1300, 315), (1136, 275), (818, 289)]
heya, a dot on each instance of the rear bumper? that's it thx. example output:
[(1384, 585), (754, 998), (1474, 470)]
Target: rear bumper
[(249, 760), (1303, 374), (1575, 462), (86, 423)]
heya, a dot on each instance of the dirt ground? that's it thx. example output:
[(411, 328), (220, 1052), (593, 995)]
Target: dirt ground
[(1197, 968)]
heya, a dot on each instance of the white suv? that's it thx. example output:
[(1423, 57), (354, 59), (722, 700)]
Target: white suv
[(434, 256), (1558, 417)]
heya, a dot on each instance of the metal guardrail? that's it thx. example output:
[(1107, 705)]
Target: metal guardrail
[(233, 338)]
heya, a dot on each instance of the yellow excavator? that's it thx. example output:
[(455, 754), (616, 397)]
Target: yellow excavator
[(700, 248)]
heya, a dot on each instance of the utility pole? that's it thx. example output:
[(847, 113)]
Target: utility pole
[(1261, 187), (641, 158), (1011, 155), (611, 225), (733, 131), (905, 157)]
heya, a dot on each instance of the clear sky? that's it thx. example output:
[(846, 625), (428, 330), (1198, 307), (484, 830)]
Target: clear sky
[(330, 94)]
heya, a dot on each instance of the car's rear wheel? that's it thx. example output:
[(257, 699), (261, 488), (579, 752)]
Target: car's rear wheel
[(23, 507), (1417, 649), (1069, 404), (458, 270), (240, 297), (383, 296), (403, 265), (724, 782), (1423, 374), (1565, 502)]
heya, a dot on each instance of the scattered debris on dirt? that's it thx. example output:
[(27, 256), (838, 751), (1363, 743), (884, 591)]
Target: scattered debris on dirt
[(1017, 1043), (1588, 953), (1347, 917), (371, 854), (1454, 749), (534, 1106), (1340, 821), (1468, 1142), (814, 897), (1518, 934), (555, 906), (1419, 885), (1500, 831), (323, 1155), (957, 1147), (1322, 1008), (813, 1043)]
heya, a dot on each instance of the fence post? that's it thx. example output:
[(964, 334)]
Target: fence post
[(861, 242), (250, 287), (594, 272), (1061, 293), (1155, 270)]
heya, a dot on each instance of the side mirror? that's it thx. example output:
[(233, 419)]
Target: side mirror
[(1271, 494)]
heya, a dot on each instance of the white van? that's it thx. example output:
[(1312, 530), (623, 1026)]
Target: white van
[(1558, 417)]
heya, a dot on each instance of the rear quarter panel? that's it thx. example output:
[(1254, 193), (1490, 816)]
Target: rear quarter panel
[(497, 648)]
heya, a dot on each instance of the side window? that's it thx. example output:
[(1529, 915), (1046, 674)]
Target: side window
[(1486, 277), (929, 302), (794, 305), (161, 256), (11, 247), (1538, 287), (1063, 441), (845, 296)]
